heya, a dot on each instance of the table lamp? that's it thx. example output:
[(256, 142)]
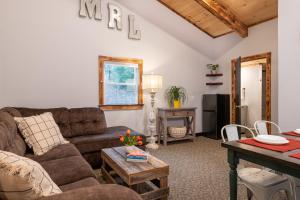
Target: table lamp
[(151, 84)]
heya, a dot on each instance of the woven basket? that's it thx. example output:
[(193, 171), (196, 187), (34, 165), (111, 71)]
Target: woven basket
[(177, 132)]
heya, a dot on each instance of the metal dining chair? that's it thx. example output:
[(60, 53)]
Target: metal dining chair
[(262, 183), (261, 127), (296, 186)]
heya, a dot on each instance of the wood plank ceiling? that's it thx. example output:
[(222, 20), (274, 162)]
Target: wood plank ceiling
[(220, 17)]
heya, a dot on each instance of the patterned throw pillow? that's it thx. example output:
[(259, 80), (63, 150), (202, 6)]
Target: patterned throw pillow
[(22, 178), (40, 132)]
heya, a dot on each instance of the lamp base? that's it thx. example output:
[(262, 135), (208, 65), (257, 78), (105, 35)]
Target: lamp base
[(152, 144)]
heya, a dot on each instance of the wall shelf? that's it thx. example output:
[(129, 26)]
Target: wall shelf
[(212, 75), (215, 83)]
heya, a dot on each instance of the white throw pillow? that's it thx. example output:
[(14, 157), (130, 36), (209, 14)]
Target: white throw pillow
[(40, 132), (23, 178)]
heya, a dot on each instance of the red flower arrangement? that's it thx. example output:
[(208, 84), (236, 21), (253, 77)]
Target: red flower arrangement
[(131, 140)]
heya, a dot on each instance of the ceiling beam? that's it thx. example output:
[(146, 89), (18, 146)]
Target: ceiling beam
[(225, 15)]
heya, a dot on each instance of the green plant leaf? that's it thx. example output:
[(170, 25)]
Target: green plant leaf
[(175, 93)]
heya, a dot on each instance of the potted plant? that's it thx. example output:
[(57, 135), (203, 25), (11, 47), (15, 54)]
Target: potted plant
[(130, 140), (175, 96), (213, 68)]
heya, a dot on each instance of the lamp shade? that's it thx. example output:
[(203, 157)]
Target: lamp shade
[(152, 82)]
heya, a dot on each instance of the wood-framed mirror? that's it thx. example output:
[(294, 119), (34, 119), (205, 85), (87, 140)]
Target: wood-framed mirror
[(238, 91)]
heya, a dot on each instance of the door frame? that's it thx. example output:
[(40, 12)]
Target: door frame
[(266, 56)]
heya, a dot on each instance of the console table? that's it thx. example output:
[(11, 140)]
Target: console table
[(163, 114)]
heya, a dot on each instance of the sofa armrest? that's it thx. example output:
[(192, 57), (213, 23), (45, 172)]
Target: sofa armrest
[(99, 192)]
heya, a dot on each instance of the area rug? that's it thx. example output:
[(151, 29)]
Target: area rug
[(199, 170)]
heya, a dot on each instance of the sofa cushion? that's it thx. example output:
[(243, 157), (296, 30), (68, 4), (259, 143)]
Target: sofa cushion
[(68, 170), (10, 140), (18, 146), (40, 132), (87, 121), (109, 138), (58, 152), (98, 192), (9, 121), (60, 115), (6, 137), (12, 111), (19, 174), (80, 184)]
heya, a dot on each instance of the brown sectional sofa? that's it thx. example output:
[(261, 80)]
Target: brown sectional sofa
[(67, 164), (85, 128)]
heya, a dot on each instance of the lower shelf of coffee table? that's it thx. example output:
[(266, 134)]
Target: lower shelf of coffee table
[(149, 190)]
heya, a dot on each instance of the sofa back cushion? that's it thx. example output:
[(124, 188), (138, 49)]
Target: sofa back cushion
[(60, 115), (23, 178), (10, 140), (87, 121)]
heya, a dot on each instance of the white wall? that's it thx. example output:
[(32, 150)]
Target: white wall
[(252, 82), (289, 64), (50, 57), (1, 84), (262, 38), (181, 29)]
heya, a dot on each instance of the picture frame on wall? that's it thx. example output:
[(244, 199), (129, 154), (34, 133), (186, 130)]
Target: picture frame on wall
[(120, 83)]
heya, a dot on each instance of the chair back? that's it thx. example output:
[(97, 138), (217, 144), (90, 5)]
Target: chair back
[(232, 132), (261, 127)]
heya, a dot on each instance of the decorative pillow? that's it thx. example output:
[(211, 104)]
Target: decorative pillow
[(22, 178), (40, 132)]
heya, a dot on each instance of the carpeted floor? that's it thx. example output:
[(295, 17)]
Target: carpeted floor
[(199, 170)]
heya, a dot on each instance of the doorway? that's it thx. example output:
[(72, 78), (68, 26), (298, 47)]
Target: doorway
[(251, 89)]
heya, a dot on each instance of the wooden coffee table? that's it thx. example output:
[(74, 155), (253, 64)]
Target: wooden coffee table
[(152, 175)]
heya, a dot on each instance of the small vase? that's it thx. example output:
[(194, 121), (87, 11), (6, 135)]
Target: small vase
[(176, 104)]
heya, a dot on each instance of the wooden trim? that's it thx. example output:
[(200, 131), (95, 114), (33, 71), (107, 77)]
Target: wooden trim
[(140, 104), (267, 56), (233, 91), (121, 107), (268, 87), (225, 15), (256, 57)]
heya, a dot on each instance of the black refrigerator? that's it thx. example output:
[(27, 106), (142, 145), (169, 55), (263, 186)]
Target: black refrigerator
[(215, 114)]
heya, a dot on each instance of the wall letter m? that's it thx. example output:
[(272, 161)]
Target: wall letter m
[(90, 7)]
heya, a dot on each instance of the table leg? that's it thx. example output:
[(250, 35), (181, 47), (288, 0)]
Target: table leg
[(103, 167), (105, 173), (163, 182), (165, 131), (233, 162), (194, 127)]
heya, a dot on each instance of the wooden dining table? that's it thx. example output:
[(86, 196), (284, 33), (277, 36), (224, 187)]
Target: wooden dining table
[(277, 161)]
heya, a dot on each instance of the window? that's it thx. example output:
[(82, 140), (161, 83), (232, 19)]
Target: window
[(120, 85)]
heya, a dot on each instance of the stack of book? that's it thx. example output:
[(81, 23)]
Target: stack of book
[(137, 156)]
